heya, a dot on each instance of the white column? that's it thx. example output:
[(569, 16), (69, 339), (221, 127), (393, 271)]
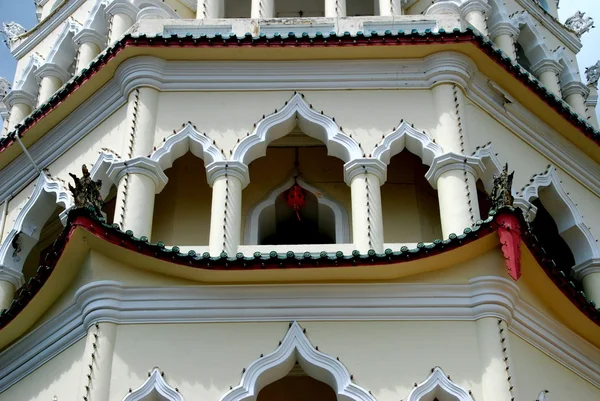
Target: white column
[(123, 15), (503, 34), (228, 179), (389, 8), (547, 72), (20, 103), (588, 273), (448, 131), (574, 94), (590, 106), (494, 379), (263, 9), (210, 9), (365, 177), (17, 114), (52, 77), (10, 281), (455, 176), (90, 44), (335, 8), (94, 383), (475, 13)]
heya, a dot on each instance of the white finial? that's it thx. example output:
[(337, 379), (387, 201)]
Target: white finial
[(10, 31), (542, 396), (579, 23), (592, 74)]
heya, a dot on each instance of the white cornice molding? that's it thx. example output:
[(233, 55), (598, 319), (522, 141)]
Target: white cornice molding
[(232, 168), (107, 301), (382, 74), (138, 165), (574, 88), (13, 276), (295, 346), (358, 167), (19, 96), (90, 35), (52, 70), (122, 7), (438, 382), (454, 162), (591, 266), (545, 66), (154, 384), (407, 137), (294, 112)]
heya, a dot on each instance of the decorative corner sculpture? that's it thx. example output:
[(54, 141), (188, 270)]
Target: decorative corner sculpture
[(592, 74), (579, 23), (11, 31), (509, 227), (86, 192)]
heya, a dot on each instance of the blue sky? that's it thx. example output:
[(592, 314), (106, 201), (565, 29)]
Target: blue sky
[(23, 12)]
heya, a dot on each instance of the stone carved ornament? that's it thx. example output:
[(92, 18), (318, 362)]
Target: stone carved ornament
[(501, 195), (592, 74), (579, 23), (86, 192), (10, 31)]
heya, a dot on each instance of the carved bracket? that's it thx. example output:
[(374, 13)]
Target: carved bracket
[(509, 233)]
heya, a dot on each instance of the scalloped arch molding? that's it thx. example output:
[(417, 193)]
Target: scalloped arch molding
[(156, 388), (295, 346), (407, 137), (438, 386)]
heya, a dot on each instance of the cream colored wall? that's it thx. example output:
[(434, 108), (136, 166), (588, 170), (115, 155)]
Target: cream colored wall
[(182, 10), (59, 376), (182, 209), (533, 371), (204, 360)]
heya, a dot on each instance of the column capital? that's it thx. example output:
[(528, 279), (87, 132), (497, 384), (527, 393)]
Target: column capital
[(12, 276), (481, 6), (139, 165), (19, 96), (232, 168), (546, 65), (453, 162), (582, 269), (356, 167), (122, 7), (504, 28), (89, 35), (52, 70), (574, 88)]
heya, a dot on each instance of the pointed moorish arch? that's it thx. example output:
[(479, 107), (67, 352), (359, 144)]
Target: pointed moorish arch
[(64, 51), (296, 112), (342, 224), (407, 137), (27, 81), (438, 386), (274, 366), (155, 387), (188, 139), (47, 194), (531, 39)]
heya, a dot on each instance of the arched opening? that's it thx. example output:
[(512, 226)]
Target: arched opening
[(297, 386), (302, 160), (410, 205), (545, 229), (237, 9), (358, 8), (64, 53), (48, 234), (182, 208), (299, 9), (522, 58)]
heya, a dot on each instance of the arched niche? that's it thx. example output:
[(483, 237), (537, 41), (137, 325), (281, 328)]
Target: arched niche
[(296, 112), (63, 52), (408, 153), (438, 387), (261, 219), (532, 42), (155, 388), (296, 347), (27, 81), (47, 195)]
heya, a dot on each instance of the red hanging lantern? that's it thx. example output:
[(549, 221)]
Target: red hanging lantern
[(295, 199)]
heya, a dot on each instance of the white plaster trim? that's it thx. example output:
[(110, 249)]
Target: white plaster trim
[(188, 139), (591, 266), (406, 136), (33, 63), (381, 74), (537, 51), (232, 168), (357, 167), (438, 386), (566, 215), (154, 9), (114, 302), (451, 162), (52, 70), (31, 219), (20, 96), (342, 226), (70, 27), (100, 168), (89, 35), (138, 165), (154, 385), (295, 346), (296, 112), (122, 7), (13, 276)]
